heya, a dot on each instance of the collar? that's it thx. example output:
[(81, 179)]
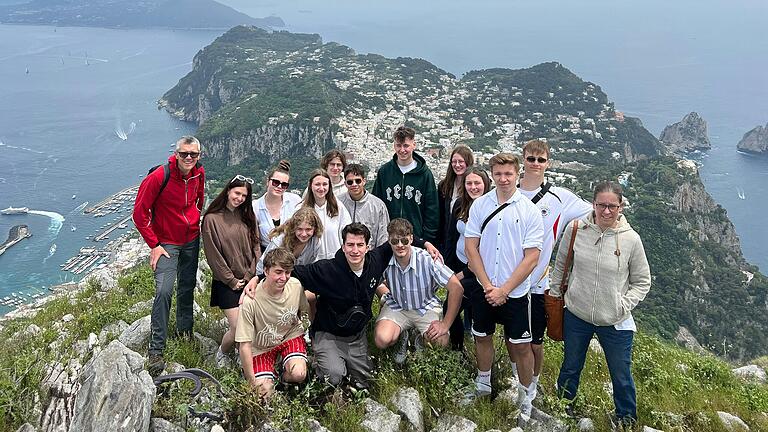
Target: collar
[(411, 265), (513, 199)]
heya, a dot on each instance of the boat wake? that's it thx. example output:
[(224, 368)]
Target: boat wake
[(57, 220), (122, 134), (740, 193), (51, 251), (2, 144)]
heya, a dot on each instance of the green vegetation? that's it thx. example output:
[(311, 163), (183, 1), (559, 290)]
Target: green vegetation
[(677, 389)]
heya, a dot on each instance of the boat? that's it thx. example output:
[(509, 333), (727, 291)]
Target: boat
[(74, 228), (15, 210), (52, 250), (74, 196)]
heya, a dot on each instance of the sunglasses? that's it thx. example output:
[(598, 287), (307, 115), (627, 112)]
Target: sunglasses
[(279, 184), (405, 241), (533, 159), (350, 182), (184, 155), (242, 178)]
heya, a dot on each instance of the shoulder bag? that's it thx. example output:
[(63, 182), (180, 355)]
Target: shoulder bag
[(555, 306)]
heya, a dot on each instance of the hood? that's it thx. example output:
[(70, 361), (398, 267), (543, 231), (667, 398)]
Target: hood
[(622, 226), (421, 164)]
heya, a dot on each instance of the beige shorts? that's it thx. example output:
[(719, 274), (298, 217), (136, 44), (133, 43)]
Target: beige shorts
[(406, 319)]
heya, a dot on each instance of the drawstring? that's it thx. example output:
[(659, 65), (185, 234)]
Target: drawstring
[(617, 252)]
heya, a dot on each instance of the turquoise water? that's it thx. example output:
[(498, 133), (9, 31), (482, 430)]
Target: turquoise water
[(57, 132), (657, 61)]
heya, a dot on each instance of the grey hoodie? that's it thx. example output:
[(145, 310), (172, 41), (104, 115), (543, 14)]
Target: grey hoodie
[(610, 274), (371, 212)]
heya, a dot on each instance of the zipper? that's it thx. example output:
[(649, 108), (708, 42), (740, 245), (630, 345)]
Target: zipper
[(402, 191), (186, 201), (597, 274)]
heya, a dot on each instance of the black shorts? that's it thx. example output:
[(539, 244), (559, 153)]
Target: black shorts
[(513, 315), (538, 319), (223, 297)]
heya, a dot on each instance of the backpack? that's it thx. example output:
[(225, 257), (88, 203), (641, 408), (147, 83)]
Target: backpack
[(166, 177)]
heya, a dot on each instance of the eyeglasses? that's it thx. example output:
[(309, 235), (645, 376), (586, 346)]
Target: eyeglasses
[(458, 162), (350, 182), (184, 155), (241, 178), (611, 207), (539, 159), (405, 241), (279, 184)]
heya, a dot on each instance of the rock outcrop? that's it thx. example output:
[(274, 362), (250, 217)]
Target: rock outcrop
[(688, 134), (755, 141), (116, 392)]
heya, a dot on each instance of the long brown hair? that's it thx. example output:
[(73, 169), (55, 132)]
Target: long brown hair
[(245, 210), (466, 201), (446, 184), (303, 215), (332, 207)]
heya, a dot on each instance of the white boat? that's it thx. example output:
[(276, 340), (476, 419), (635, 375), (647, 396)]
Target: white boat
[(15, 210), (74, 196), (52, 250), (74, 228)]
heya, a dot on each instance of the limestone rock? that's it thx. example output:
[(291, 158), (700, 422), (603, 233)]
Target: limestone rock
[(136, 336), (650, 429), (315, 426), (731, 422), (516, 429), (585, 425), (145, 306), (208, 346), (378, 418), (67, 318), (157, 424), (60, 385), (540, 421), (116, 392), (115, 329), (686, 135), (217, 428), (408, 405), (28, 332), (755, 141), (453, 423), (687, 340), (751, 372), (26, 427)]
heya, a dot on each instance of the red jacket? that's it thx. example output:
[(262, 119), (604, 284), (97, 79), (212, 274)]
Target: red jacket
[(173, 217)]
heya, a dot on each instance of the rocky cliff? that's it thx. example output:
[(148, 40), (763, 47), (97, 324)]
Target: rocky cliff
[(755, 141), (686, 135)]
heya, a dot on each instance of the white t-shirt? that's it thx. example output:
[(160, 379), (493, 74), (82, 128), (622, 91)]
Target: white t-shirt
[(558, 207), (507, 235), (410, 167), (290, 201), (330, 241)]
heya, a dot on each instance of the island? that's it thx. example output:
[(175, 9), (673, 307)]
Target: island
[(260, 96), (755, 141), (689, 134), (177, 14), (16, 234)]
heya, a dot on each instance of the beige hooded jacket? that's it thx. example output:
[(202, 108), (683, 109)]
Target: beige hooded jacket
[(610, 274)]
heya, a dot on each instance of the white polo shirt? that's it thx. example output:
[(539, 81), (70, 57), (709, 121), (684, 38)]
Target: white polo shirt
[(507, 235), (558, 207)]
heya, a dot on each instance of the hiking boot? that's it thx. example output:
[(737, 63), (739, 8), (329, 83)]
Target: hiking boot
[(624, 424), (402, 350), (569, 411), (155, 364), (418, 342)]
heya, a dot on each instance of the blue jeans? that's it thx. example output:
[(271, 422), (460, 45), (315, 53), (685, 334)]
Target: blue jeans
[(182, 265), (617, 345)]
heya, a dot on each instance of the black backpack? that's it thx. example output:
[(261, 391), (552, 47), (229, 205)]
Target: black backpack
[(166, 176)]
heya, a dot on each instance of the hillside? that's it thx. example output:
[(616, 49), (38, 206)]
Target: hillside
[(261, 96), (130, 14)]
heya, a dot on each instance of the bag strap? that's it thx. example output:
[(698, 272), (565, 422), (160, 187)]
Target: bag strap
[(543, 191), (569, 259), (490, 216), (166, 177)]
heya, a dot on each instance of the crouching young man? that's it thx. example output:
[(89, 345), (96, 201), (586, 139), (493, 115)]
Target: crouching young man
[(413, 277), (269, 326)]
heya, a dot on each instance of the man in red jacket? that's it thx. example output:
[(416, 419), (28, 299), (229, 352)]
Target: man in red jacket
[(169, 220)]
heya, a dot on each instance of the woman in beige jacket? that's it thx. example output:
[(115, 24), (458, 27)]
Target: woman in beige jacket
[(610, 276)]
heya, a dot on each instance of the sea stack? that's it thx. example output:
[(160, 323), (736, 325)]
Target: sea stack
[(755, 141), (687, 135)]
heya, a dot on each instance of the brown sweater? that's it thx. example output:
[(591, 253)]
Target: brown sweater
[(228, 247)]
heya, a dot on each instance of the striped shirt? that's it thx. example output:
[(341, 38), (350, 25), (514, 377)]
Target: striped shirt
[(414, 287)]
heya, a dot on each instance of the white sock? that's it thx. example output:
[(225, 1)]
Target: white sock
[(514, 368), (535, 379), (484, 377)]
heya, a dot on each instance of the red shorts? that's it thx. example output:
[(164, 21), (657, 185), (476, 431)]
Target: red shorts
[(264, 364)]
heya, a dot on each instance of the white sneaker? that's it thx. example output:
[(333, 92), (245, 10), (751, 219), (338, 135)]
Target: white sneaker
[(526, 401), (222, 360), (482, 389), (402, 350)]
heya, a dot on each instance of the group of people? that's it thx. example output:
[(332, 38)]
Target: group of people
[(327, 254)]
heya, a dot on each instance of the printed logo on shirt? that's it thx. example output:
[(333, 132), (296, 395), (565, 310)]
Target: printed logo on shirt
[(545, 210), (411, 193), (525, 335)]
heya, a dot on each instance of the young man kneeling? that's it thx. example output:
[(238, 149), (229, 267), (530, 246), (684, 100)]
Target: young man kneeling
[(270, 325), (413, 277)]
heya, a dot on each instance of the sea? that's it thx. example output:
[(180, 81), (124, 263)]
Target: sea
[(68, 96)]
